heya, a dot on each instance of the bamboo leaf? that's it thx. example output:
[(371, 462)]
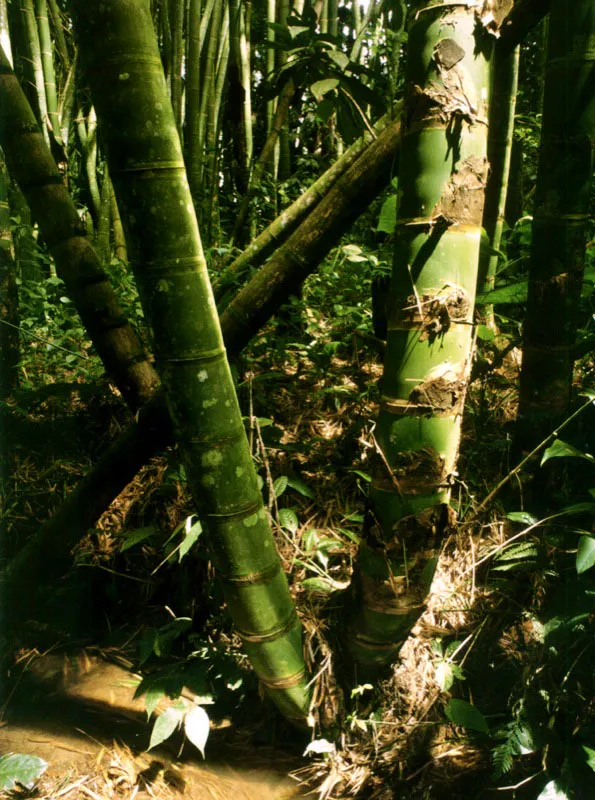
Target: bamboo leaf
[(300, 486), (320, 88), (191, 534), (589, 756), (340, 59), (152, 697), (464, 715), (164, 726), (197, 727), (319, 585), (288, 519), (560, 449), (387, 222), (137, 536), (513, 293), (17, 768), (522, 516), (585, 555), (280, 485)]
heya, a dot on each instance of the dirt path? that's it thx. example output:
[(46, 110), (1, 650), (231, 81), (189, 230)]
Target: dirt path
[(77, 713)]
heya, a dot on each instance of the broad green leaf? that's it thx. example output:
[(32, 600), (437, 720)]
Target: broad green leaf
[(553, 791), (164, 726), (288, 519), (197, 727), (318, 585), (513, 293), (560, 449), (387, 221), (444, 676), (485, 334), (280, 485), (464, 715), (340, 59), (300, 486), (522, 516), (19, 769), (589, 756), (152, 697), (137, 536), (309, 539), (585, 555), (320, 88), (191, 534)]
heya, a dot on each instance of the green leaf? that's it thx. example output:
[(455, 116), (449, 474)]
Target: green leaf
[(590, 756), (364, 475), (513, 293), (320, 88), (387, 221), (553, 791), (464, 715), (16, 768), (309, 540), (522, 516), (288, 519), (444, 676), (318, 585), (280, 485), (164, 726), (191, 534), (197, 727), (585, 555), (560, 449), (485, 334), (340, 59), (152, 697), (137, 536), (300, 486)]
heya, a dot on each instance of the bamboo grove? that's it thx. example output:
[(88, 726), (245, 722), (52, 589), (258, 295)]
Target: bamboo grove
[(160, 134)]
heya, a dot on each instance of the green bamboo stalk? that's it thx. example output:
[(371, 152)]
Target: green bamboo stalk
[(4, 31), (9, 300), (282, 226), (166, 254), (176, 14), (246, 71), (560, 220), (333, 17), (34, 52), (281, 112), (31, 164), (310, 244), (443, 170), (120, 249), (87, 131), (47, 61), (58, 31), (505, 75), (291, 263), (270, 62), (66, 103)]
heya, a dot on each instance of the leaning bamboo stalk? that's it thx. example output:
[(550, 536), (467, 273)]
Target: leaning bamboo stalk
[(151, 430), (283, 225), (167, 258), (31, 164)]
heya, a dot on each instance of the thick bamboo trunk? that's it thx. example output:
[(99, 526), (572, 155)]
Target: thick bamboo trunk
[(430, 316), (166, 254), (32, 166), (560, 221), (139, 442)]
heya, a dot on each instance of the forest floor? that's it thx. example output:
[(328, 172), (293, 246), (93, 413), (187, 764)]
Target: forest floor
[(310, 411)]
